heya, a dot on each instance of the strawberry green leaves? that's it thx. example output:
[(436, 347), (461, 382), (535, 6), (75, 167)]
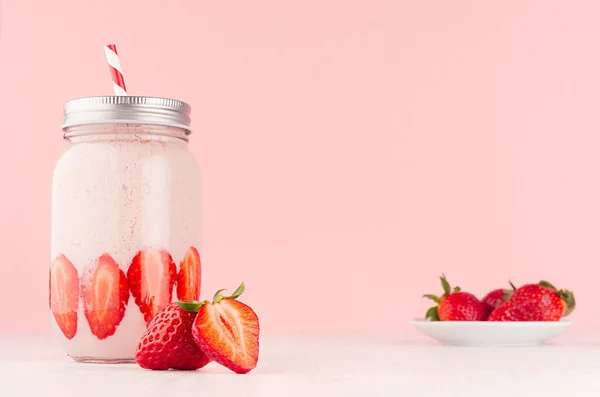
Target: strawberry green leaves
[(194, 306), (445, 285), (236, 294), (432, 297), (432, 314)]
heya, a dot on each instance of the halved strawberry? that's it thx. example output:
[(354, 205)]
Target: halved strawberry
[(189, 277), (151, 276), (226, 330), (105, 294), (64, 295)]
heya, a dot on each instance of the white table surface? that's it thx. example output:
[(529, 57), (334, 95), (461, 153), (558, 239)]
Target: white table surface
[(320, 366)]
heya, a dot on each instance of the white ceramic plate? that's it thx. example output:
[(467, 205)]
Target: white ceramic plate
[(491, 334)]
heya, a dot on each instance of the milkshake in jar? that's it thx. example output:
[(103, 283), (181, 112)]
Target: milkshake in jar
[(126, 223)]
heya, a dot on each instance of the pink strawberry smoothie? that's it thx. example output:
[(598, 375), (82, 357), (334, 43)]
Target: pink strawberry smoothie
[(125, 190)]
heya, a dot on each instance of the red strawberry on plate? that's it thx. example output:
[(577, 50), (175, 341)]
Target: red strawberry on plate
[(497, 297), (64, 295), (151, 277), (535, 302), (105, 294), (189, 277), (227, 331), (455, 305), (168, 342)]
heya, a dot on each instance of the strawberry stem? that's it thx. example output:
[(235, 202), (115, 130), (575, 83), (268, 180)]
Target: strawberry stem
[(236, 294)]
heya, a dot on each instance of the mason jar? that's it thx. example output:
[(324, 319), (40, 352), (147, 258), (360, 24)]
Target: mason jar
[(126, 223)]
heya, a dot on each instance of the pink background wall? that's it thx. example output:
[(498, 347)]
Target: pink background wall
[(352, 150)]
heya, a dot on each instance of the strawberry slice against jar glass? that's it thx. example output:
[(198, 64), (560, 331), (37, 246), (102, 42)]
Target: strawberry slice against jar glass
[(64, 295), (190, 276), (105, 295), (151, 276)]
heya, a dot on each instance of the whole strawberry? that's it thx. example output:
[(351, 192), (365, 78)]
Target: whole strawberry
[(455, 305), (168, 342), (227, 331), (497, 297), (535, 302)]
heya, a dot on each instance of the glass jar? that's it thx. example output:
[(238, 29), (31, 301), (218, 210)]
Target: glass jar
[(126, 223)]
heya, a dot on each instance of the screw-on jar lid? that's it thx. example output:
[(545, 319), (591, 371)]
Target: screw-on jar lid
[(127, 109)]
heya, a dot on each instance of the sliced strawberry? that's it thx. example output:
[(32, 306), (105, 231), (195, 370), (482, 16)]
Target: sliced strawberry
[(105, 294), (64, 295), (151, 276), (189, 277), (226, 330)]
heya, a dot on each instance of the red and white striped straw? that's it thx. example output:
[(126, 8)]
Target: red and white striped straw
[(115, 69)]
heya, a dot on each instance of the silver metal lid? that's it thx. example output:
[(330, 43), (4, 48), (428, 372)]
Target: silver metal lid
[(127, 109)]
